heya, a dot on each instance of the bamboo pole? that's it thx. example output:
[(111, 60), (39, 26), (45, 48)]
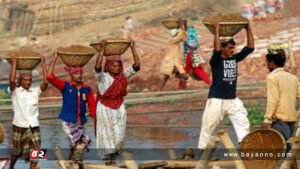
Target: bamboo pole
[(94, 166), (208, 152), (187, 163), (172, 154), (231, 149), (287, 163), (61, 161), (292, 57), (188, 154), (129, 160), (153, 164), (216, 167)]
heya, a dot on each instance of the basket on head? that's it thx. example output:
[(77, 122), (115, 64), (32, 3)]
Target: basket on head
[(27, 59), (172, 23), (263, 141), (76, 55), (113, 46), (230, 23), (1, 133)]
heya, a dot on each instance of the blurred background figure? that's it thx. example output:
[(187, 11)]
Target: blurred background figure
[(192, 58), (271, 6), (172, 61), (263, 9), (247, 10), (274, 8), (128, 28), (259, 12)]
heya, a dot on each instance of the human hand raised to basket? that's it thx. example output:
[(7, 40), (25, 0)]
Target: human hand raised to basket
[(43, 60), (102, 44), (216, 24), (13, 57), (132, 44), (248, 26), (55, 55), (182, 24)]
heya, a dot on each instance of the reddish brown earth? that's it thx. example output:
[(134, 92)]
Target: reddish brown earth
[(251, 70)]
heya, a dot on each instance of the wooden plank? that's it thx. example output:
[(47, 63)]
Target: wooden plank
[(98, 166), (193, 163), (292, 58), (207, 154), (172, 154), (61, 161), (153, 164), (287, 163), (129, 160), (231, 149)]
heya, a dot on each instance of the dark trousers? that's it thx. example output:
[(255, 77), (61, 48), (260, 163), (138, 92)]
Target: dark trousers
[(285, 128)]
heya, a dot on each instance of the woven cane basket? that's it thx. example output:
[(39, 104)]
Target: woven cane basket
[(172, 23), (230, 23), (227, 29), (26, 59), (113, 46), (1, 133), (267, 144), (76, 55)]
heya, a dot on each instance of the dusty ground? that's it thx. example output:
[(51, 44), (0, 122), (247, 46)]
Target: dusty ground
[(148, 26)]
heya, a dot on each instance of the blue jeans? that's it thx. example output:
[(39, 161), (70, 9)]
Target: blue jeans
[(285, 128)]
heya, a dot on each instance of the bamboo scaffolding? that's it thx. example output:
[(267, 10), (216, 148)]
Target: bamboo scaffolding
[(231, 148), (292, 57), (287, 163), (207, 154), (61, 161), (129, 160)]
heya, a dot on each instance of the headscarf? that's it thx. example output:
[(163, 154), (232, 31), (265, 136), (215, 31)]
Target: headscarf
[(192, 40), (174, 32), (114, 95), (110, 60), (72, 70)]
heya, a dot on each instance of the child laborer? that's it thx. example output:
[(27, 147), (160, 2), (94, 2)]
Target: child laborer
[(76, 95), (111, 112), (25, 126)]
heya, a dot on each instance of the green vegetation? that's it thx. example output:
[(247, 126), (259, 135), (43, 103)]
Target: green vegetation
[(4, 95), (255, 116)]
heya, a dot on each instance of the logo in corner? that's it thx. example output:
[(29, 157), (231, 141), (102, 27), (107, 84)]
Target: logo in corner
[(38, 154)]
